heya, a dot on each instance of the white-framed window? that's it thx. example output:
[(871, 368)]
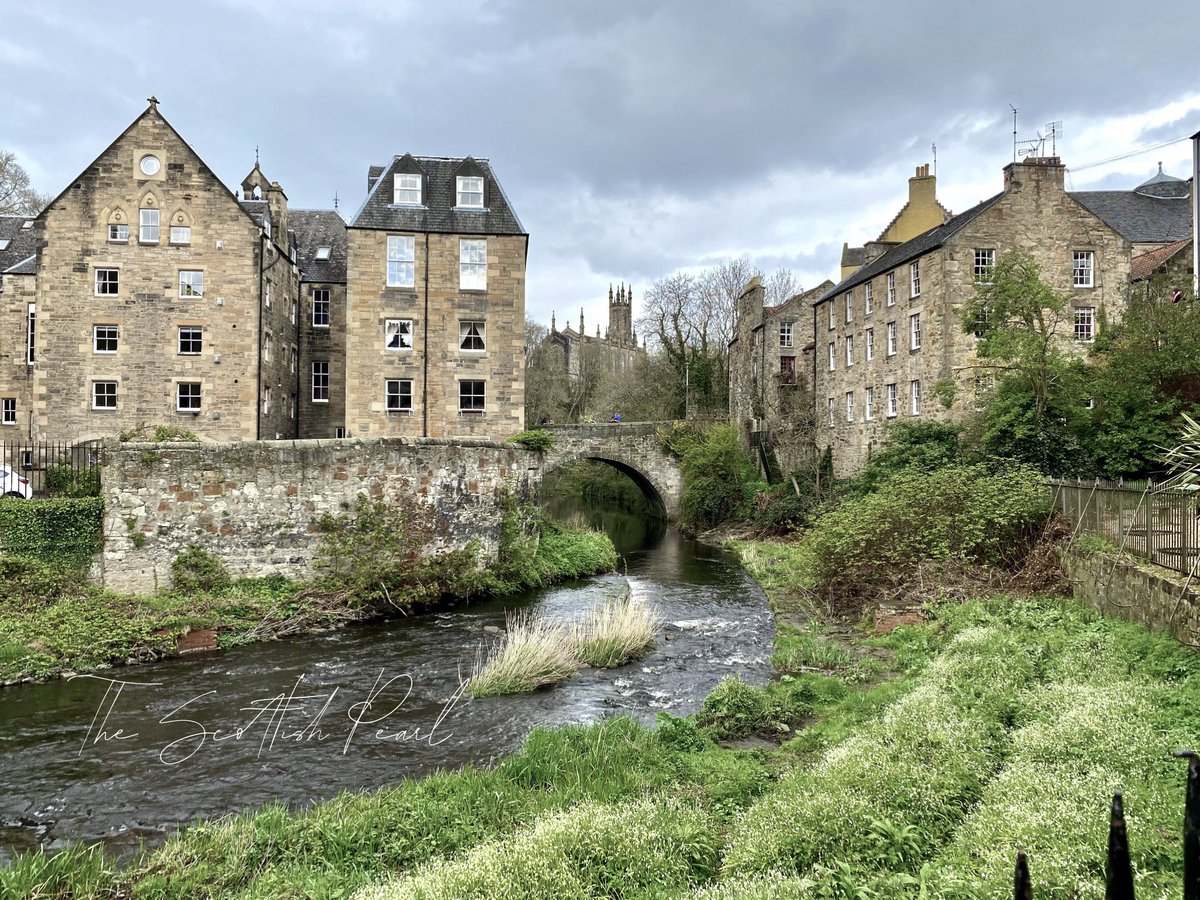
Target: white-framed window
[(914, 393), (849, 406), (470, 191), (401, 260), (471, 396), (849, 350), (891, 338), (832, 355), (118, 234), (267, 302), (1083, 268), (785, 334), (869, 404), (266, 403), (323, 253), (292, 355), (181, 234), (471, 335), (868, 299), (191, 340), (320, 381), (320, 308), (914, 278), (890, 390), (8, 411), (108, 282), (397, 334), (398, 395), (830, 412), (1085, 324), (472, 265), (891, 288), (787, 370), (187, 396), (191, 284), (406, 189), (1087, 402), (266, 348), (104, 395), (340, 432), (849, 307), (148, 226), (914, 331), (31, 335), (104, 338), (294, 309), (832, 316), (985, 264), (870, 337), (985, 388), (292, 405)]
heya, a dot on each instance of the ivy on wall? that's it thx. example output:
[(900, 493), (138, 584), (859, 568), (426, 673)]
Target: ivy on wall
[(64, 530)]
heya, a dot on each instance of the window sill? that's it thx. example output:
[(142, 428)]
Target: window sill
[(408, 288), (399, 412), (111, 409), (471, 412), (314, 400), (467, 290)]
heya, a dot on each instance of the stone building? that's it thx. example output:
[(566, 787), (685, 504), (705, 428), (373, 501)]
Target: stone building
[(149, 293), (435, 303), (770, 376), (158, 298), (921, 212), (889, 342), (321, 254), (615, 351)]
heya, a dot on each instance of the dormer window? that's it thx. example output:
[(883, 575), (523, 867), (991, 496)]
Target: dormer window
[(4, 245), (406, 190), (323, 252), (470, 191), (28, 223)]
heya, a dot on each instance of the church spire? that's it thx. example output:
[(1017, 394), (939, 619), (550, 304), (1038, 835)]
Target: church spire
[(553, 327)]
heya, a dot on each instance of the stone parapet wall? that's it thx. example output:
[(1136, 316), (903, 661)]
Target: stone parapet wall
[(1136, 591), (255, 504)]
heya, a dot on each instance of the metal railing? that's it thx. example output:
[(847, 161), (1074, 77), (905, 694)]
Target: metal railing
[(50, 468), (1139, 517)]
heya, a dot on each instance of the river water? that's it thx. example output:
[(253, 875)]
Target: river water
[(300, 720)]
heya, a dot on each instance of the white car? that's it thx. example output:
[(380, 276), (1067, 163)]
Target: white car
[(13, 485)]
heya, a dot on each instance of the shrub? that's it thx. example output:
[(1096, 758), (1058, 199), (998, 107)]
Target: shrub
[(157, 434), (716, 480), (958, 514), (196, 571), (534, 653), (616, 631), (27, 583), (534, 439), (912, 447), (66, 531), (781, 510), (734, 709), (64, 479)]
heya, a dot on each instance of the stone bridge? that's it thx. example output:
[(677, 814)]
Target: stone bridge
[(632, 448)]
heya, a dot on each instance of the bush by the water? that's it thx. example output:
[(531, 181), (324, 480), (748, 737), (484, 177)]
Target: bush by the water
[(956, 514), (194, 571), (717, 479), (616, 631), (535, 652)]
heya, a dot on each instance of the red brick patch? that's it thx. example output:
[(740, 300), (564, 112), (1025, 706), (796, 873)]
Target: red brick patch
[(194, 641), (212, 490), (887, 621)]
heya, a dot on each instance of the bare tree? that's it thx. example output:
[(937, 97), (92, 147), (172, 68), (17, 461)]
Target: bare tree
[(17, 197), (781, 285)]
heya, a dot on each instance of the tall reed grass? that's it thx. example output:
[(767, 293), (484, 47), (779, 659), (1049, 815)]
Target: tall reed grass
[(616, 631), (535, 652)]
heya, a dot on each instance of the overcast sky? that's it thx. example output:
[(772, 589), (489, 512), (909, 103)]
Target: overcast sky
[(634, 137)]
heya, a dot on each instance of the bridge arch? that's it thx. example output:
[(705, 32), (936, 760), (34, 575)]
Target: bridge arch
[(633, 449)]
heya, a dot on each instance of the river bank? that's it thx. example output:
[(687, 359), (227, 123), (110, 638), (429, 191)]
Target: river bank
[(53, 624)]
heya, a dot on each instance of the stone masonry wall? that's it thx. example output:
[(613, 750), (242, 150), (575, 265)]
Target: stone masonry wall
[(1136, 592), (254, 504), (16, 376)]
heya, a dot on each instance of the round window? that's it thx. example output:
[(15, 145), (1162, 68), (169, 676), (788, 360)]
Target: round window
[(150, 165)]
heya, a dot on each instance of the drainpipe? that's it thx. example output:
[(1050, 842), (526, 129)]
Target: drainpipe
[(258, 374), (1196, 213), (425, 349)]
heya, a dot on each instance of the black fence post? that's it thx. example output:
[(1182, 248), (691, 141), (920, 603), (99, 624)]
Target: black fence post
[(1022, 887), (1119, 869), (1191, 827)]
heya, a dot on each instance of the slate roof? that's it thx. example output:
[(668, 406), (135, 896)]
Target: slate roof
[(255, 209), (438, 215), (910, 250), (21, 248), (316, 228), (1139, 216), (1146, 264)]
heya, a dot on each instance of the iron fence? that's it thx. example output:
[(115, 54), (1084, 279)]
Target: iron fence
[(1156, 523), (48, 468)]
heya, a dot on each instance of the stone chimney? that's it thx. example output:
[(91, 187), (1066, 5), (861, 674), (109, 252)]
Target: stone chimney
[(872, 250), (1037, 172), (277, 204)]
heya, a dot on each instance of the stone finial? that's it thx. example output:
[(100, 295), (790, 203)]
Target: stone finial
[(581, 321), (153, 101), (610, 294), (553, 326)]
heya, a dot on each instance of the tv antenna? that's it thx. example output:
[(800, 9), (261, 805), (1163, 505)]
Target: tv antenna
[(1014, 109), (1056, 131)]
